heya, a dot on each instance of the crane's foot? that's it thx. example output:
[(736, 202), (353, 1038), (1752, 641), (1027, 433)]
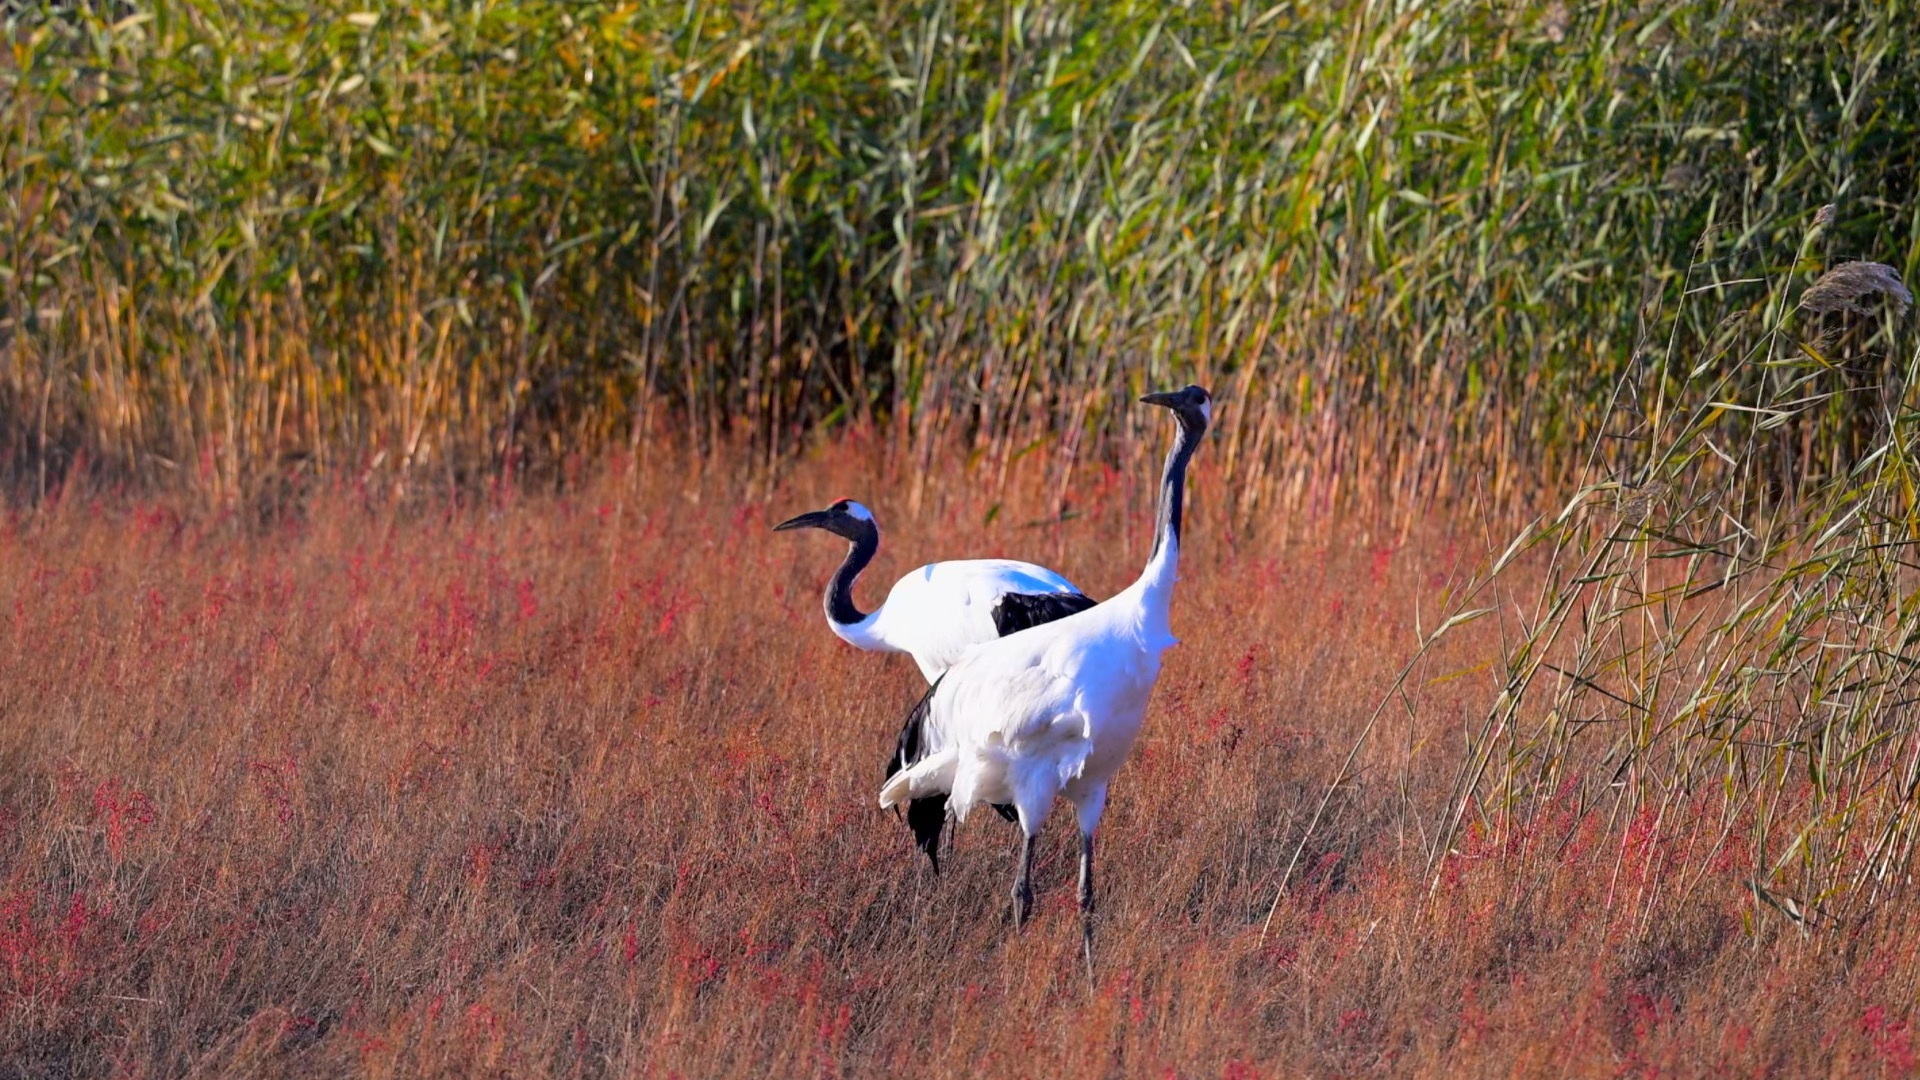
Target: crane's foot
[(1086, 943)]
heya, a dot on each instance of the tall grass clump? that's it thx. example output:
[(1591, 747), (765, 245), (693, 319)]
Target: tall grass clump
[(244, 240), (1715, 644)]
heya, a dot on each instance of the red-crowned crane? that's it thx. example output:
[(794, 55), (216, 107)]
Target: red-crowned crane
[(935, 614), (1054, 711)]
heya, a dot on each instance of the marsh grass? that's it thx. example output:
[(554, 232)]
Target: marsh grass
[(577, 784), (403, 679)]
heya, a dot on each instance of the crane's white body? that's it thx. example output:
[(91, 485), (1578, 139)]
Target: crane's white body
[(1049, 711), (936, 613)]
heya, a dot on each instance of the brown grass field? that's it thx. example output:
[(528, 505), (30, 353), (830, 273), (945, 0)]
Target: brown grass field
[(579, 785)]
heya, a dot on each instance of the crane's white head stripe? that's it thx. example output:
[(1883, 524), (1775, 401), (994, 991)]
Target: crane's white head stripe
[(858, 512)]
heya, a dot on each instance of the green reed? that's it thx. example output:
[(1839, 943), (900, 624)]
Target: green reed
[(1715, 643), (241, 240)]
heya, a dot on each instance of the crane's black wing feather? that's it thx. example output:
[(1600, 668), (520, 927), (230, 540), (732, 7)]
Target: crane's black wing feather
[(926, 816), (1012, 613), (1015, 612)]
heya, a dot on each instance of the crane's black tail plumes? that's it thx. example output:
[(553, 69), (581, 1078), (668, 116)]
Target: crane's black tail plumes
[(1015, 612), (927, 816)]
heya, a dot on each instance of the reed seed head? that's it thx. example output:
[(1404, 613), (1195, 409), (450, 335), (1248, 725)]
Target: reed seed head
[(1680, 176), (1847, 288)]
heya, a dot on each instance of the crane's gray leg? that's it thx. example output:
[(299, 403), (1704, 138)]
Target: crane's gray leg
[(1090, 803), (1086, 900), (1023, 882)]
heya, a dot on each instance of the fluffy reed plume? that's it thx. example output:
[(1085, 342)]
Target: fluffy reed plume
[(1847, 288), (1634, 501)]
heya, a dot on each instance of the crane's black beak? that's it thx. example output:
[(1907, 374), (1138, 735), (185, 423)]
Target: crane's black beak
[(819, 519), (1192, 405)]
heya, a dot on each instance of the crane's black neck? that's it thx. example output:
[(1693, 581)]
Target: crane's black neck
[(1173, 485), (860, 551)]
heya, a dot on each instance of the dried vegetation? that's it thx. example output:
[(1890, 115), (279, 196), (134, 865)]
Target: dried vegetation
[(576, 784)]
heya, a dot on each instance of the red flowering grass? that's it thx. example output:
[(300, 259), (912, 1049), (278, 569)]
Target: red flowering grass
[(579, 785)]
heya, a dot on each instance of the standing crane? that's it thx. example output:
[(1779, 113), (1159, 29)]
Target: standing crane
[(935, 614), (1054, 711)]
